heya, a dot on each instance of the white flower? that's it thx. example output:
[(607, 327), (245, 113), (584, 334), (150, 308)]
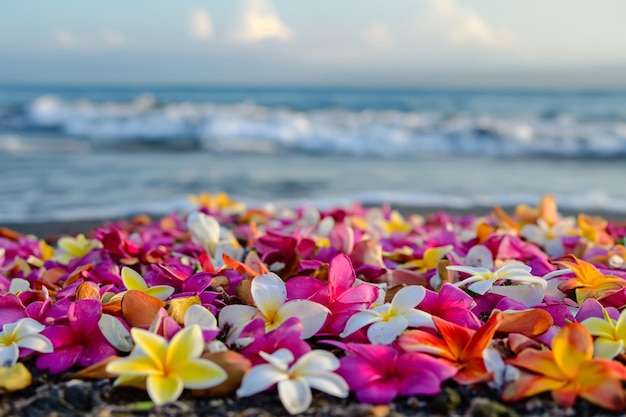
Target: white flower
[(312, 370), (550, 237), (527, 289), (269, 295), (390, 319), (216, 241), (22, 333)]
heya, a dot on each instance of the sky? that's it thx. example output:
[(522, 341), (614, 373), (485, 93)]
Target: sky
[(439, 43)]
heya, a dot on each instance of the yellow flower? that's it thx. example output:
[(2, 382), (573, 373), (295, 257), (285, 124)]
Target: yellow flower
[(168, 368), (133, 281), (75, 247), (611, 334)]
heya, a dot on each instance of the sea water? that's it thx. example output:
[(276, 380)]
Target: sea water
[(109, 151)]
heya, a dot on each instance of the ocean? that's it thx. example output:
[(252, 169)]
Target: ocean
[(81, 152)]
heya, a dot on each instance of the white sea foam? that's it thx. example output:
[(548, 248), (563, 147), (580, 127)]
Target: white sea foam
[(253, 128)]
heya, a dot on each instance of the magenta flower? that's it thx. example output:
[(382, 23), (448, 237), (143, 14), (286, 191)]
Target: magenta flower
[(288, 335), (340, 295), (379, 373), (80, 342), (451, 304)]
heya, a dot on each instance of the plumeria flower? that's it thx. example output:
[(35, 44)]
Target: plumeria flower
[(216, 241), (133, 281), (314, 369), (168, 368), (611, 334), (550, 236), (269, 295), (75, 247), (389, 320), (527, 289), (23, 333)]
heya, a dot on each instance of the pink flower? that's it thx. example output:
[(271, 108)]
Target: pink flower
[(80, 342), (452, 304), (379, 373), (288, 335), (340, 296)]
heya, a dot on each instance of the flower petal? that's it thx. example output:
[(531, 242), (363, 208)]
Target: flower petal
[(407, 298), (160, 291), (164, 389), (36, 342), (359, 320), (9, 355), (385, 332), (295, 394), (572, 346), (418, 318), (328, 382), (199, 373), (529, 385), (269, 293), (259, 378), (186, 344), (196, 314), (316, 361), (481, 287), (607, 348), (133, 365), (132, 280), (151, 345), (312, 315)]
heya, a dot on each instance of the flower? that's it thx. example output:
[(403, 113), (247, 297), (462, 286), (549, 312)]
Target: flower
[(75, 247), (589, 281), (379, 373), (461, 347), (269, 295), (23, 333), (168, 368), (206, 231), (611, 334), (549, 236), (527, 289), (390, 319), (568, 371), (133, 281), (313, 370)]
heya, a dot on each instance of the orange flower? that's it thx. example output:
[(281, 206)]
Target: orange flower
[(459, 346), (593, 229), (589, 281), (568, 371)]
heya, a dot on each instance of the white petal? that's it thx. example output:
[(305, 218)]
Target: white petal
[(529, 294), (555, 247), (316, 361), (328, 382), (196, 314), (419, 318), (259, 378), (236, 314), (479, 256), (269, 293), (483, 286), (203, 228), (295, 394), (115, 333), (512, 270), (312, 315), (9, 355), (473, 271), (37, 343), (18, 285), (407, 298), (385, 332), (359, 320), (533, 233), (24, 327), (280, 359)]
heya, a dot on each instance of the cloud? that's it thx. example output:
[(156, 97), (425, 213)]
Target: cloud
[(114, 38), (378, 36), (67, 40), (200, 25), (259, 21), (462, 26)]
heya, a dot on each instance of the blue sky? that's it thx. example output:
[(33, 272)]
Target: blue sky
[(561, 43)]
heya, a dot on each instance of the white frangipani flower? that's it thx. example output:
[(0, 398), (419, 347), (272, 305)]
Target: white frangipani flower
[(526, 288), (206, 231), (390, 319), (270, 297), (22, 333), (314, 369), (550, 237)]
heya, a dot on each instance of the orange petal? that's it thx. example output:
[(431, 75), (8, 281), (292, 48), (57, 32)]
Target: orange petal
[(482, 338), (607, 394), (139, 308), (483, 232), (529, 385), (421, 341), (518, 342), (530, 323), (571, 347), (548, 210), (87, 291), (566, 395), (538, 361), (473, 371), (456, 337)]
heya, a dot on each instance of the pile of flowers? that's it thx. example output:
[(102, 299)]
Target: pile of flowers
[(234, 301)]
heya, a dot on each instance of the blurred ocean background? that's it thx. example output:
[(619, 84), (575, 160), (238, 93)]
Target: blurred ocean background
[(103, 151)]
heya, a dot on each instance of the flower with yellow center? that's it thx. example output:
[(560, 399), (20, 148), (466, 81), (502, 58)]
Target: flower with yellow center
[(168, 368), (75, 247), (133, 281), (611, 334), (24, 333)]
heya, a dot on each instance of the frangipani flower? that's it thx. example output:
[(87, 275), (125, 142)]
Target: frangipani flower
[(461, 347), (269, 295), (549, 236), (611, 334), (168, 368), (379, 373), (75, 247), (23, 333), (206, 231), (568, 371), (313, 370), (527, 289), (389, 320), (589, 281), (133, 281)]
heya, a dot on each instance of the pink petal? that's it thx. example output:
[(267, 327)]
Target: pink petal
[(60, 360), (341, 275), (378, 392)]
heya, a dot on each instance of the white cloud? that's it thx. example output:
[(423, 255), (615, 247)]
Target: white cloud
[(200, 25), (67, 40), (377, 35), (462, 26), (258, 22), (114, 38)]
